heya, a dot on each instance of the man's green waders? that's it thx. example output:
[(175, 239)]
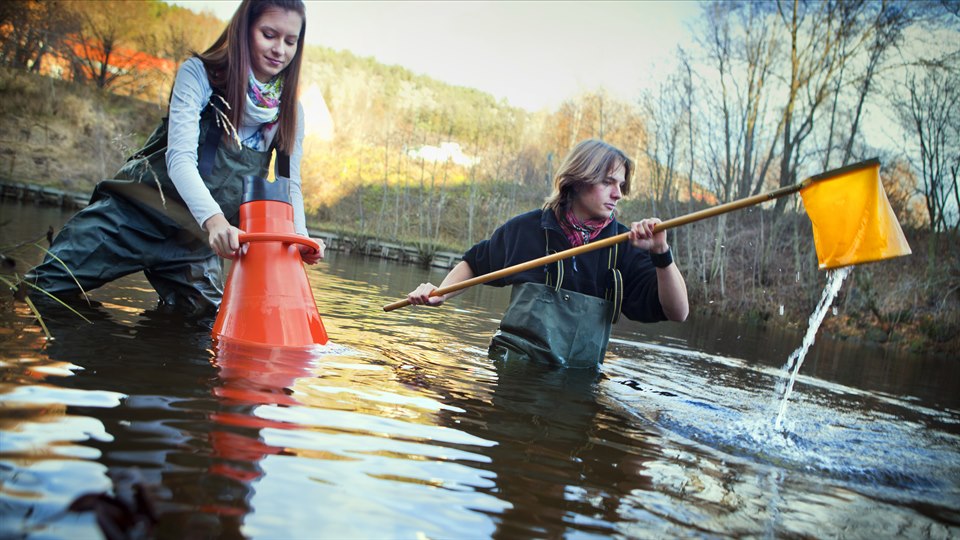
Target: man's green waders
[(562, 328), (559, 327), (138, 222)]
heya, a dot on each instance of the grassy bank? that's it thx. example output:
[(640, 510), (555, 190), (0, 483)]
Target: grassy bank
[(65, 135)]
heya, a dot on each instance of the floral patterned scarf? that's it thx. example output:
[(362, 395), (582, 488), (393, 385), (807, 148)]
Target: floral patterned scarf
[(262, 109)]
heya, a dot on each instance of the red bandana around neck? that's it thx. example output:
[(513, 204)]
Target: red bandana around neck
[(581, 232)]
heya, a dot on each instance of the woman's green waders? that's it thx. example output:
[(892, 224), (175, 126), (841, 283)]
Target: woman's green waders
[(559, 327), (138, 222)]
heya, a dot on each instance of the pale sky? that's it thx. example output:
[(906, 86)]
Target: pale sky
[(534, 54)]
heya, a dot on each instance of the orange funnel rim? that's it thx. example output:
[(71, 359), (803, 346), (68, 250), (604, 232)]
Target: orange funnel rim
[(286, 238)]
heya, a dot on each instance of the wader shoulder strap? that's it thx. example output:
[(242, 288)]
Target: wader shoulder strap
[(156, 142), (283, 164), (208, 152), (559, 281), (614, 292)]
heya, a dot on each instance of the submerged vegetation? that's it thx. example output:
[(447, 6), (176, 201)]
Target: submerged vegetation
[(396, 156), (12, 278)]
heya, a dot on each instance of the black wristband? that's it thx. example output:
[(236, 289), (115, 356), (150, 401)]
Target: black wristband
[(662, 260)]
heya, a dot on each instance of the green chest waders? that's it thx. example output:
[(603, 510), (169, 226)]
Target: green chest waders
[(137, 222), (564, 328)]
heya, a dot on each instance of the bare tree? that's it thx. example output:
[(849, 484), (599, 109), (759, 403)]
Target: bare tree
[(931, 114), (97, 48), (688, 87), (874, 31), (474, 186), (663, 111), (742, 46), (814, 31)]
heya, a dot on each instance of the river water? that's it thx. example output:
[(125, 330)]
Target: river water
[(403, 427)]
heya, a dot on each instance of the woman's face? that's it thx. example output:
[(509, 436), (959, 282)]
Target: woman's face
[(598, 201), (273, 42)]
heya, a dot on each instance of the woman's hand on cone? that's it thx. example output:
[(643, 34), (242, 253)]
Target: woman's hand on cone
[(224, 239), (313, 256)]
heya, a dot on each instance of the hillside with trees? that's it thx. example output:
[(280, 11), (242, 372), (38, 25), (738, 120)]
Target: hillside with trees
[(773, 93)]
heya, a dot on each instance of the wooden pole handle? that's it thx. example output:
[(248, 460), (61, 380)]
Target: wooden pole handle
[(662, 226), (600, 244)]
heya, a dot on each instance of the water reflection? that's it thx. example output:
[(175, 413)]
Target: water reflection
[(153, 372), (338, 422), (247, 377), (545, 422), (932, 380), (41, 435)]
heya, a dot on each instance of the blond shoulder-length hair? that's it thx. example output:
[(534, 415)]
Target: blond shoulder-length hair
[(587, 164)]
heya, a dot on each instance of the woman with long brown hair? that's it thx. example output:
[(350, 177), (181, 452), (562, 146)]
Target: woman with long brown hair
[(172, 209)]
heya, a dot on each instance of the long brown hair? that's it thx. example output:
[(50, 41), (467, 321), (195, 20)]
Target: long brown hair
[(588, 163), (227, 62)]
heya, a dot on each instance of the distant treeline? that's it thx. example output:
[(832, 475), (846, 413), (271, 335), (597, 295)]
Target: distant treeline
[(773, 92)]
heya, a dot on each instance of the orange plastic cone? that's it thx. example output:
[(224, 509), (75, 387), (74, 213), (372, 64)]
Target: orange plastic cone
[(267, 299)]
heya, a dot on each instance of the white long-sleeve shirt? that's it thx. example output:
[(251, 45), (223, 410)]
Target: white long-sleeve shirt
[(191, 93)]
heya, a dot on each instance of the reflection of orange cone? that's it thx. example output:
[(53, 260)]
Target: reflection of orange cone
[(267, 299)]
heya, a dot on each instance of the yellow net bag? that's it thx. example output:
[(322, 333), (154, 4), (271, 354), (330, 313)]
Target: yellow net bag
[(853, 222)]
